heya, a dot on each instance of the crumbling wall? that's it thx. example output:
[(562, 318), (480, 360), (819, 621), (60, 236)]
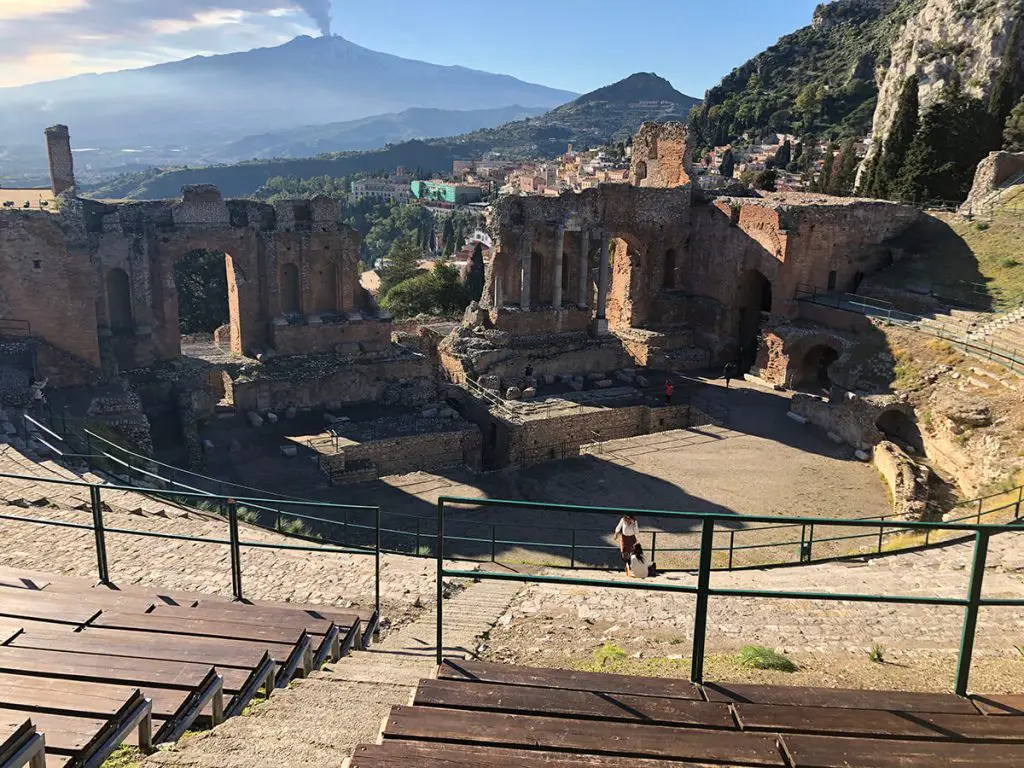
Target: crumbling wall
[(661, 156), (908, 482), (428, 452), (993, 171)]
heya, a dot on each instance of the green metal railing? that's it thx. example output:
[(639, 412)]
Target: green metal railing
[(567, 546), (703, 590), (229, 508), (1009, 357)]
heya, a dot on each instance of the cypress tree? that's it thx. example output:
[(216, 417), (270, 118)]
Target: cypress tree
[(866, 188), (784, 155), (1013, 135), (728, 164), (904, 127), (845, 171), (824, 183)]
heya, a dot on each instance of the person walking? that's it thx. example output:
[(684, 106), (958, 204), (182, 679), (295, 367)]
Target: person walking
[(669, 391), (730, 373), (625, 533), (35, 393)]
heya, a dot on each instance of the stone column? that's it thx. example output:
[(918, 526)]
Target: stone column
[(584, 277), (525, 254), (556, 288), (600, 322)]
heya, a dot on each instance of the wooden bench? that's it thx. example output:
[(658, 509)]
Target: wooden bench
[(20, 744), (367, 618), (474, 713), (258, 666)]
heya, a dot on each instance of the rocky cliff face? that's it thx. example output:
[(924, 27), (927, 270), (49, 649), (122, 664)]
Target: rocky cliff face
[(828, 15), (944, 39)]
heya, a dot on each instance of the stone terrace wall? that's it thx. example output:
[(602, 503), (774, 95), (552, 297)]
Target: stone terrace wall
[(414, 453), (908, 482)]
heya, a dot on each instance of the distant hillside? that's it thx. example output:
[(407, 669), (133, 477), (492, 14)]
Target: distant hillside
[(371, 132), (610, 114), (818, 80), (203, 102)]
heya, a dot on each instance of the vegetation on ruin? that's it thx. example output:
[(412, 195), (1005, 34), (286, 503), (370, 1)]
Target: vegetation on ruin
[(817, 81), (759, 657), (202, 284), (437, 292), (125, 756)]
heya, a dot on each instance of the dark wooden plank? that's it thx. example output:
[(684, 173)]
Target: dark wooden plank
[(81, 698), (142, 645), (516, 699), (272, 618), (836, 752), (113, 669), (784, 695), (21, 604), (174, 625), (40, 580), (407, 754), (581, 736), (508, 674), (1009, 704), (64, 734), (874, 723), (331, 612)]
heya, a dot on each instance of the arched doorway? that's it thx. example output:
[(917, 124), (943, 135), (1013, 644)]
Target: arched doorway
[(201, 281), (119, 302), (755, 302), (901, 428), (289, 288), (669, 280), (813, 371)]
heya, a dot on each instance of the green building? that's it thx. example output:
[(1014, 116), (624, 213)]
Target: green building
[(446, 192)]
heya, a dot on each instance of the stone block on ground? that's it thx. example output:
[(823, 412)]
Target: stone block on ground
[(577, 385), (291, 451), (604, 383), (513, 393), (549, 378), (642, 381), (490, 382), (529, 392), (208, 445), (595, 376), (289, 413), (429, 413), (272, 417), (255, 420)]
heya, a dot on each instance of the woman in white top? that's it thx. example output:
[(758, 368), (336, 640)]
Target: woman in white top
[(625, 533), (637, 565)]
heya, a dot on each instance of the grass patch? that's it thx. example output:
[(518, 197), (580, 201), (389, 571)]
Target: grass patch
[(759, 657), (904, 370), (877, 654), (125, 756), (609, 653)]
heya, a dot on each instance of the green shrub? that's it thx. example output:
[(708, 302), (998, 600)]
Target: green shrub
[(877, 654), (1009, 263), (607, 654), (759, 657), (981, 226)]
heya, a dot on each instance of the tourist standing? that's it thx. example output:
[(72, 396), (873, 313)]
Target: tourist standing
[(730, 372), (35, 393), (625, 533), (669, 391)]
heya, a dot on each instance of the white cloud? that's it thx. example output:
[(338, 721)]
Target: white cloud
[(48, 39)]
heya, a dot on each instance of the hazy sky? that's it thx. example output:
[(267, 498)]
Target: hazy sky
[(578, 45)]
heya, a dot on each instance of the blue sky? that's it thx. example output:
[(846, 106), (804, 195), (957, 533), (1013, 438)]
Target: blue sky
[(578, 45)]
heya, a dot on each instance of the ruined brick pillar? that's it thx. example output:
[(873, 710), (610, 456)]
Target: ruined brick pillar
[(62, 164), (525, 264), (584, 279), (602, 284), (556, 288)]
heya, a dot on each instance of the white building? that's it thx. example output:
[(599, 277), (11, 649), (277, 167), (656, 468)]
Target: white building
[(380, 190)]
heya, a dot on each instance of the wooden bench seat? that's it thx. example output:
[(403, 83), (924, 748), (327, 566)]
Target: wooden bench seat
[(626, 739), (175, 625), (877, 723), (588, 705), (806, 751), (782, 695), (21, 745), (1012, 704), (410, 754), (508, 674)]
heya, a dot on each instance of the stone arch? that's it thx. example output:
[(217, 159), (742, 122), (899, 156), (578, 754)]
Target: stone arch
[(120, 312), (640, 173), (901, 428), (811, 371), (201, 283), (290, 289), (630, 281), (754, 301)]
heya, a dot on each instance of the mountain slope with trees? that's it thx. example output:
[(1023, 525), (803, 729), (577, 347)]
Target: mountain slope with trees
[(819, 80)]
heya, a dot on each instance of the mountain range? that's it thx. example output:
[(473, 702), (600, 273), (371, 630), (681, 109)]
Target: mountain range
[(610, 114), (196, 106)]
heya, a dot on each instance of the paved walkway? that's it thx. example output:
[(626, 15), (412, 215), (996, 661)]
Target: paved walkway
[(317, 722)]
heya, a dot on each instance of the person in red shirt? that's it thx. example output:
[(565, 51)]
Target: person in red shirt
[(669, 390)]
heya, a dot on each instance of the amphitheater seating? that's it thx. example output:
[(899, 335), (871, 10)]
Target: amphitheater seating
[(20, 743), (474, 713), (90, 664)]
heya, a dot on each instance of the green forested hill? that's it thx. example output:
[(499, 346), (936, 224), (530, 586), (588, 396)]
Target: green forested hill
[(820, 80)]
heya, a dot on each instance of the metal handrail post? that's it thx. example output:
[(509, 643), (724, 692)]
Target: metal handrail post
[(700, 613), (494, 538), (572, 550), (376, 572), (440, 582), (732, 542), (100, 535), (810, 544), (236, 551), (970, 625)]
